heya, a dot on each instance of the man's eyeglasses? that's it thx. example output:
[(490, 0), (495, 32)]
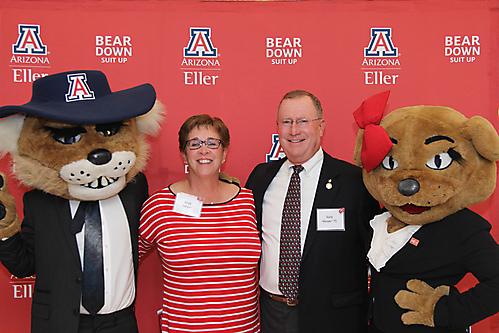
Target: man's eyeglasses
[(300, 122), (211, 143)]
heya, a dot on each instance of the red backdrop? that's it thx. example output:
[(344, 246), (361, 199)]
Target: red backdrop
[(235, 60)]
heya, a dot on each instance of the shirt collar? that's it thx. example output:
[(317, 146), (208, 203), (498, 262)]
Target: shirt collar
[(308, 165)]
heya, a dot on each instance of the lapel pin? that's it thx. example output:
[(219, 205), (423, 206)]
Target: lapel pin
[(329, 184), (414, 241)]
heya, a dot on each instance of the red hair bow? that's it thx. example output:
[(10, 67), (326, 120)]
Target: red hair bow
[(375, 143)]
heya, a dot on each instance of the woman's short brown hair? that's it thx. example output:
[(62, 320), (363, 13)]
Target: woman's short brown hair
[(201, 120)]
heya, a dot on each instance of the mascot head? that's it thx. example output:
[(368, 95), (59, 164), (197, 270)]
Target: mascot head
[(424, 163), (76, 138)]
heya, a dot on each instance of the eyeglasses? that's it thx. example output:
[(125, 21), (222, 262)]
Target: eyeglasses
[(211, 143), (299, 122)]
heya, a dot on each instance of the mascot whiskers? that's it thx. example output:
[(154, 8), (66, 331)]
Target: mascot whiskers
[(81, 147), (426, 165)]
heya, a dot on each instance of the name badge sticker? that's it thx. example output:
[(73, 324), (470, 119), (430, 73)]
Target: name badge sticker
[(330, 219), (188, 204)]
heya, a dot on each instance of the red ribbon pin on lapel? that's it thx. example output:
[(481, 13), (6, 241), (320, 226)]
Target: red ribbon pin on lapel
[(376, 143)]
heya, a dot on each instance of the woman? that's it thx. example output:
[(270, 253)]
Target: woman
[(205, 231)]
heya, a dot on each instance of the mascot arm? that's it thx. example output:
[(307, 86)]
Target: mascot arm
[(460, 310), (17, 257), (447, 307), (17, 252)]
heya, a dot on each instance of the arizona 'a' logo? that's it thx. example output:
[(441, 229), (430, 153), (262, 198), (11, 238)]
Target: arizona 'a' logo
[(78, 88), (200, 44), (29, 41), (276, 153), (381, 44)]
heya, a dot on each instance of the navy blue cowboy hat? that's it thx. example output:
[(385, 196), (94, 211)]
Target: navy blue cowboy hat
[(83, 97)]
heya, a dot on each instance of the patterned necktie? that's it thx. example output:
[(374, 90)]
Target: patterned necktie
[(93, 267), (290, 248)]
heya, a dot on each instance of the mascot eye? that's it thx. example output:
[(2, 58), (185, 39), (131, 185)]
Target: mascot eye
[(108, 132), (109, 129), (439, 162), (389, 163), (66, 135), (68, 140)]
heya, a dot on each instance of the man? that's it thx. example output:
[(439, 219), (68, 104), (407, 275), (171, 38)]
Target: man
[(334, 211)]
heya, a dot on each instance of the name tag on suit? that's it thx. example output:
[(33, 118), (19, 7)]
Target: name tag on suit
[(330, 219)]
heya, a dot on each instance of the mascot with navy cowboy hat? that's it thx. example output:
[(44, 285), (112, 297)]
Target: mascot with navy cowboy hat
[(81, 148)]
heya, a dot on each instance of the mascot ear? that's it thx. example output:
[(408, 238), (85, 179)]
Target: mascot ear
[(357, 159), (150, 123), (483, 136), (10, 130)]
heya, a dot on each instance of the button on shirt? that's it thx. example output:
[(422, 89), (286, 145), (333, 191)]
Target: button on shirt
[(273, 203), (119, 276)]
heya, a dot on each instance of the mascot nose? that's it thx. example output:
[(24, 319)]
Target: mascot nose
[(408, 187), (99, 156)]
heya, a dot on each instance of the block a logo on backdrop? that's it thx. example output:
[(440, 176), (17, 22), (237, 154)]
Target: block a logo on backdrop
[(200, 59), (276, 152), (113, 49), (29, 54), (381, 58), (283, 50)]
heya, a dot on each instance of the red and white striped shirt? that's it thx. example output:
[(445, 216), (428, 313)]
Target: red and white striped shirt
[(209, 263)]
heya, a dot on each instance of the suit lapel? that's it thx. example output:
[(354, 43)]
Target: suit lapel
[(324, 198), (424, 234), (261, 185), (64, 212), (128, 201)]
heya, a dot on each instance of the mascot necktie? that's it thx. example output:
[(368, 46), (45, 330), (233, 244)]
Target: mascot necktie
[(93, 267), (290, 248)]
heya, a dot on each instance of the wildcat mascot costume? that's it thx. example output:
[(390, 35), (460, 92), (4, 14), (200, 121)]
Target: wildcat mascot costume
[(81, 147), (426, 165)]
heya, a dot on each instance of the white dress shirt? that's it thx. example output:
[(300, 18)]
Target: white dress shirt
[(385, 245), (272, 206), (119, 276)]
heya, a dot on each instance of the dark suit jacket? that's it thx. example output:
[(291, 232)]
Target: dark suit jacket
[(46, 247), (333, 272), (446, 251)]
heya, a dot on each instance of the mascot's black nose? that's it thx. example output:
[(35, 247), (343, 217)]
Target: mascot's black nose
[(99, 156), (408, 187)]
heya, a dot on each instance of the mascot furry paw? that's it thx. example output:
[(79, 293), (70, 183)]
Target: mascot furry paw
[(426, 165), (81, 147), (9, 221)]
